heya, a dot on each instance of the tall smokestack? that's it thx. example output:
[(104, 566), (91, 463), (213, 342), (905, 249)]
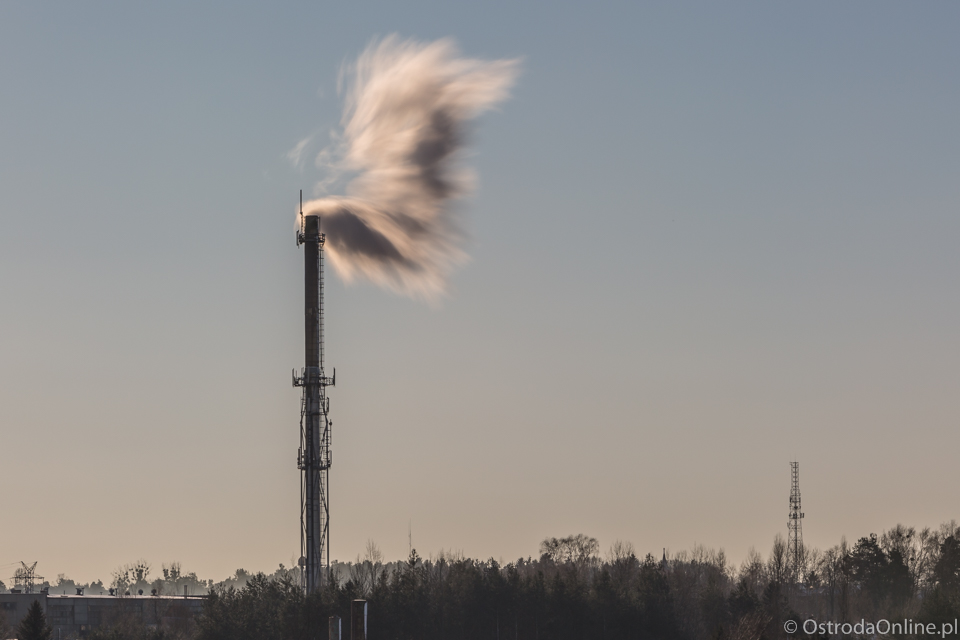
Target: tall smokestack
[(311, 290), (314, 457)]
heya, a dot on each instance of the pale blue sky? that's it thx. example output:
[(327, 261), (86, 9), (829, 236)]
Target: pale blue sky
[(706, 239)]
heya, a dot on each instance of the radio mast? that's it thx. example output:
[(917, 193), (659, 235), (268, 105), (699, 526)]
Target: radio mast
[(795, 533)]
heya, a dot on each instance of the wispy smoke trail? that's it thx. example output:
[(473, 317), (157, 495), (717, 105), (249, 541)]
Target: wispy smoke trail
[(405, 120)]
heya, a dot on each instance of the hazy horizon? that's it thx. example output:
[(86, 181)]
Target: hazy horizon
[(703, 241)]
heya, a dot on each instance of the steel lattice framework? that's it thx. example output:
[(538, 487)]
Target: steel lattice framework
[(26, 577), (795, 552)]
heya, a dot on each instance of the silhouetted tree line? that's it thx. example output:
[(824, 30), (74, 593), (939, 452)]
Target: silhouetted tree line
[(570, 591), (574, 597)]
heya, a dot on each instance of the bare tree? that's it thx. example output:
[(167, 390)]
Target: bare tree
[(699, 584), (813, 558), (366, 572), (750, 627), (577, 549), (834, 574), (948, 529), (121, 579), (777, 564), (753, 572), (624, 566), (620, 550), (925, 557), (139, 570), (131, 575), (171, 572), (578, 552)]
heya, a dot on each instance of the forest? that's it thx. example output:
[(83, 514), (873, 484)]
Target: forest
[(572, 590)]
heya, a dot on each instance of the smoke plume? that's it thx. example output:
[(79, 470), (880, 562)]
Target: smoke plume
[(406, 115)]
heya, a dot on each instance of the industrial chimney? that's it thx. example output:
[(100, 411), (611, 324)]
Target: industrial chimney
[(313, 458)]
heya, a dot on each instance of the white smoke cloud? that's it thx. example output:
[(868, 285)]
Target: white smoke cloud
[(407, 108)]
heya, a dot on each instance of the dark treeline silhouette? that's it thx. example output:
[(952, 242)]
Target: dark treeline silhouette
[(571, 591), (459, 598)]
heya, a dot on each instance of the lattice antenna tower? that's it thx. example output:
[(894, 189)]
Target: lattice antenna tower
[(314, 456), (26, 577), (795, 531)]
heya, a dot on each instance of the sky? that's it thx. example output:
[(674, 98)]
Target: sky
[(706, 239)]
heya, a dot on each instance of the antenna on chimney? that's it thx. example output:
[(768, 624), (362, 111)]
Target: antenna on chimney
[(300, 232)]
